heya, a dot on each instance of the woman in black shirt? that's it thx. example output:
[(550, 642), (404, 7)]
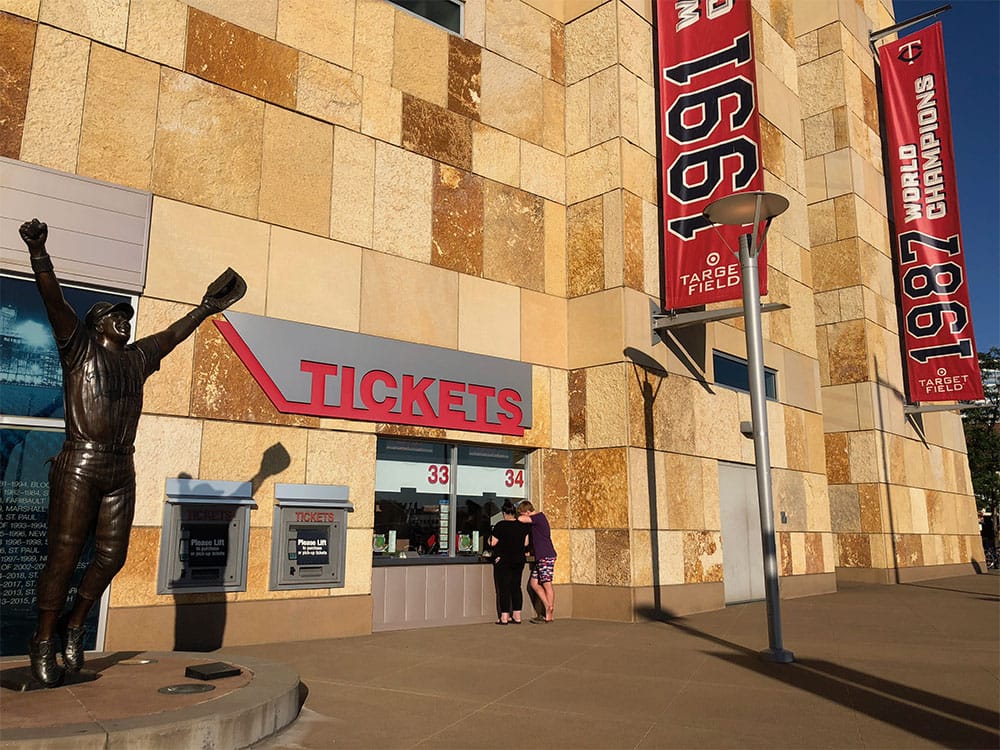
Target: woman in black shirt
[(509, 539)]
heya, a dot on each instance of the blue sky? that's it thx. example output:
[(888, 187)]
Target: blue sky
[(972, 46)]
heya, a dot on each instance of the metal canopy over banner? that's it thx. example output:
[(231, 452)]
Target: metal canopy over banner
[(710, 143), (940, 349)]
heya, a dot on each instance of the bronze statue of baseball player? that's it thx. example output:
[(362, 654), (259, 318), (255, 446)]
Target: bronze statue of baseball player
[(92, 480)]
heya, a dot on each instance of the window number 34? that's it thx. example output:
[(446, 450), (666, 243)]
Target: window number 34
[(514, 476)]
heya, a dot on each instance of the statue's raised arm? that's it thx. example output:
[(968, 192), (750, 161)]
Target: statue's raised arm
[(62, 318)]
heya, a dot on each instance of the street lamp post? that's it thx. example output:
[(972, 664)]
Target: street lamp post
[(758, 208)]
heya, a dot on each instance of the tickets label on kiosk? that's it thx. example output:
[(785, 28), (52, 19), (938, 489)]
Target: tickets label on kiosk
[(309, 537), (206, 536)]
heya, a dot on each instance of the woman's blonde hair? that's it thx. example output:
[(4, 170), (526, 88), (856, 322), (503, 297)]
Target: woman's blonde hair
[(525, 506)]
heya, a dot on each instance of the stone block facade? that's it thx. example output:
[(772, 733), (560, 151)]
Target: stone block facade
[(496, 193)]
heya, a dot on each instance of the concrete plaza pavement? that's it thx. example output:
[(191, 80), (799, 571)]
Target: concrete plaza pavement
[(905, 666)]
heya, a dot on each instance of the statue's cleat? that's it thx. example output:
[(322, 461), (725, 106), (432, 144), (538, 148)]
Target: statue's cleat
[(72, 653), (43, 663)]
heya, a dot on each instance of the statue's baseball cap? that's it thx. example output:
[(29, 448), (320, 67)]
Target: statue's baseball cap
[(100, 309)]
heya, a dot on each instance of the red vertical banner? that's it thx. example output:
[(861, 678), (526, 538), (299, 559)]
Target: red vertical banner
[(940, 349), (710, 143)]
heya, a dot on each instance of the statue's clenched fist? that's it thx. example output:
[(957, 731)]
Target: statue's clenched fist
[(34, 233)]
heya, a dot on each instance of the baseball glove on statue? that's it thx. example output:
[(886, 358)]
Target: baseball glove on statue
[(226, 290)]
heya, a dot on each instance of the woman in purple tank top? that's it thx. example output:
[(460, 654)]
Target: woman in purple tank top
[(545, 557)]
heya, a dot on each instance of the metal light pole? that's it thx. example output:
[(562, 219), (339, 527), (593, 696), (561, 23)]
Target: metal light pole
[(758, 208)]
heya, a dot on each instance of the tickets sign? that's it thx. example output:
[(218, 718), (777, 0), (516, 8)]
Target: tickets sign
[(324, 372), (940, 349), (710, 143)]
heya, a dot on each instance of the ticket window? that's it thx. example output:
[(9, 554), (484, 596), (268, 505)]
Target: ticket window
[(309, 536), (206, 536)]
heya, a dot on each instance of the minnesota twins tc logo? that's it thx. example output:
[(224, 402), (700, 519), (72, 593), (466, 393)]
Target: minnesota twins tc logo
[(910, 52)]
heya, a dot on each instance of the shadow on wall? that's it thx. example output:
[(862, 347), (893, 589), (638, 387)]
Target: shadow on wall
[(200, 618)]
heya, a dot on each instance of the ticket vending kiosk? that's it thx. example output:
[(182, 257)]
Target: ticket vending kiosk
[(309, 537), (206, 536)]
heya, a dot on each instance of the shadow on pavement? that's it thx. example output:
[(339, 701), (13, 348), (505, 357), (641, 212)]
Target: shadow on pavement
[(945, 721)]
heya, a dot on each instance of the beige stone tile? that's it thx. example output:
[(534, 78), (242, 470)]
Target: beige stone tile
[(403, 202), (646, 116), (349, 459), (382, 111), (352, 203), (104, 21), (420, 59), (638, 173), (593, 172), (819, 78), (198, 162), (489, 317), (296, 171), (116, 139), (578, 117), (235, 451), (430, 315), (816, 180), (554, 116), (864, 457), (357, 563), (543, 329), (329, 92), (521, 34), (134, 586), (564, 564), (640, 543), (591, 43), (474, 20), (607, 413), (817, 503), (260, 16), (543, 172), (628, 86), (555, 249), (584, 556), (373, 40), (313, 280), (504, 82), (646, 475), (167, 391), (157, 31), (604, 97), (635, 42), (165, 447), (671, 558), (496, 155), (23, 8), (54, 112), (324, 28), (559, 405), (779, 103), (685, 492), (204, 242), (596, 329)]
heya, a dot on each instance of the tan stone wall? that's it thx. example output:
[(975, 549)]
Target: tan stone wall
[(368, 171), (899, 487)]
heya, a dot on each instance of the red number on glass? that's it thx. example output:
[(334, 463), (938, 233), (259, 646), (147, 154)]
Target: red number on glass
[(514, 477), (437, 474)]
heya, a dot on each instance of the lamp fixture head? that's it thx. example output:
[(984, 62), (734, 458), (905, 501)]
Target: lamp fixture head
[(746, 208)]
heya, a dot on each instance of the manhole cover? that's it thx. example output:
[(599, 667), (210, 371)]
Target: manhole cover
[(134, 662), (185, 688)]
